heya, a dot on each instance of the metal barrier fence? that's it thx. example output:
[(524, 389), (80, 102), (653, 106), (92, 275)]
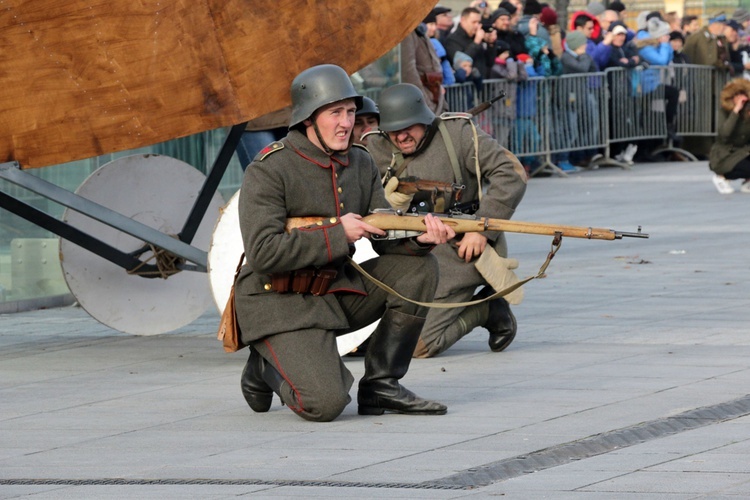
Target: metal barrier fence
[(550, 117)]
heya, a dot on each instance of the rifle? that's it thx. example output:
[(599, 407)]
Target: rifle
[(405, 225), (479, 108), (412, 185)]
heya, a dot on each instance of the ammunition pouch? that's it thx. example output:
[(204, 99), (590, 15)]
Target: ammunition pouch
[(313, 280)]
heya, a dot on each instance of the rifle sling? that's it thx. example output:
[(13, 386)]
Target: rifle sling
[(451, 305), (451, 153)]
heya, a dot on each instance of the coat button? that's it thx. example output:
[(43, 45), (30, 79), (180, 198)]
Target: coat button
[(267, 287), (341, 190), (332, 220), (341, 205)]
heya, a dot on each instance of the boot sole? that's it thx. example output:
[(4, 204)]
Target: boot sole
[(370, 410)]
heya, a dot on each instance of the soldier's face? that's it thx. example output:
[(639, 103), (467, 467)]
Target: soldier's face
[(362, 124), (407, 140), (335, 123)]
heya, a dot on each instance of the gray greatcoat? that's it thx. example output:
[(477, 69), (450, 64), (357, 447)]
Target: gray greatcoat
[(505, 184), (296, 333), (733, 136), (300, 180)]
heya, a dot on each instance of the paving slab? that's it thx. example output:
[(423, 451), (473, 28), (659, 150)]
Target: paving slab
[(628, 379)]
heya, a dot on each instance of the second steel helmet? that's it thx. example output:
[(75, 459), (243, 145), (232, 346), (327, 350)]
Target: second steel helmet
[(402, 106), (318, 86), (369, 108)]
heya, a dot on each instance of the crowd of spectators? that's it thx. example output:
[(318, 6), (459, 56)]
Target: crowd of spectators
[(518, 40)]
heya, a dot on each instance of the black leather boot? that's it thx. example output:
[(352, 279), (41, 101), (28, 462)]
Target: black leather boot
[(501, 324), (386, 362), (259, 382)]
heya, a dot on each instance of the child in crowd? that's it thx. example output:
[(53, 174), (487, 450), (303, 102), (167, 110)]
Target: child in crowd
[(463, 65), (508, 69)]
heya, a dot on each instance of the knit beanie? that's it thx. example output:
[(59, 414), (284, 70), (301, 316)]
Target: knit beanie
[(595, 8), (640, 21), (532, 7), (509, 7), (460, 57), (548, 17), (575, 39), (617, 6), (657, 28), (741, 15)]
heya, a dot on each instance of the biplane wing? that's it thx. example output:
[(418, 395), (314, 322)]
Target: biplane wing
[(82, 78)]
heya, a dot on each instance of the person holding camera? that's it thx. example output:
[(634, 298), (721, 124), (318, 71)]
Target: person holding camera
[(470, 38)]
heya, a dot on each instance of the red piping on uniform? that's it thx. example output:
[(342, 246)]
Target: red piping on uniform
[(300, 408), (328, 246), (303, 155), (347, 290)]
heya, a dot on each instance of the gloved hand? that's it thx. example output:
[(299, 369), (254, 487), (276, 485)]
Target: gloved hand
[(498, 271), (398, 201)]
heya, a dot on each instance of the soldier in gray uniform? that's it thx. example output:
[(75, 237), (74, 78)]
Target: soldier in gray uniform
[(414, 142), (297, 290)]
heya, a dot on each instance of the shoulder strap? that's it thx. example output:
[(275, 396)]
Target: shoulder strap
[(451, 152)]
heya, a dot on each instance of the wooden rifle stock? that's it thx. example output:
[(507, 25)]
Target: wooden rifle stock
[(392, 220), (412, 185)]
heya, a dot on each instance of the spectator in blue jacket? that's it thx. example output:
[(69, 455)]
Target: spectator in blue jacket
[(430, 23), (587, 24), (655, 50)]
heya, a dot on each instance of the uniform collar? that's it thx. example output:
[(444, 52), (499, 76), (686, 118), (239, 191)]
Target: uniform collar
[(306, 149)]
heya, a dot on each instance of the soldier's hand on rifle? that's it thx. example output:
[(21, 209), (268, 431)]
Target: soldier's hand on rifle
[(437, 232), (471, 246), (355, 229), (398, 201)]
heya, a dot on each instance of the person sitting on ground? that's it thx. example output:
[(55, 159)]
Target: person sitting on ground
[(729, 158)]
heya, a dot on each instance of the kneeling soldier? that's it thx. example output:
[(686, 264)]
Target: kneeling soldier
[(414, 142), (298, 291)]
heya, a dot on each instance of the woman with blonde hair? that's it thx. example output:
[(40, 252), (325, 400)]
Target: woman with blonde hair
[(729, 154)]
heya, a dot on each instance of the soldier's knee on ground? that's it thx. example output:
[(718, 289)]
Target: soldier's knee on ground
[(325, 408)]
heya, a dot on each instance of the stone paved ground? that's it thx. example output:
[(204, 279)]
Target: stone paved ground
[(629, 379)]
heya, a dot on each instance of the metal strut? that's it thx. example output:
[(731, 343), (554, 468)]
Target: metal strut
[(184, 254)]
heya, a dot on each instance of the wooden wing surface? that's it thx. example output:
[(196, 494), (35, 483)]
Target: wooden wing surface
[(81, 78)]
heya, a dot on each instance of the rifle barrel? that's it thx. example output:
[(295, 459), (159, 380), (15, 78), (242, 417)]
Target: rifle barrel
[(411, 222), (395, 220)]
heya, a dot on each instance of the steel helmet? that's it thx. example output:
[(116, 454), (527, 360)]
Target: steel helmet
[(402, 106), (368, 108), (318, 86)]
